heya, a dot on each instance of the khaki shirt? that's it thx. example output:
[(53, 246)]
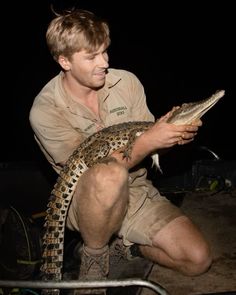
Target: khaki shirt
[(60, 124)]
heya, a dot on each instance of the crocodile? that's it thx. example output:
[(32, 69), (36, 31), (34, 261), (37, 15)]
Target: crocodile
[(189, 112), (92, 150)]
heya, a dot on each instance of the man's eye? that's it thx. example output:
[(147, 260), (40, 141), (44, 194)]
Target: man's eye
[(91, 57)]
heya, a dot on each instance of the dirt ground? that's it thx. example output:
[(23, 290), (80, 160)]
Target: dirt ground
[(216, 216)]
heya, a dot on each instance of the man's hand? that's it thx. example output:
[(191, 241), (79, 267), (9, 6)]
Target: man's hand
[(161, 135), (165, 135), (196, 123)]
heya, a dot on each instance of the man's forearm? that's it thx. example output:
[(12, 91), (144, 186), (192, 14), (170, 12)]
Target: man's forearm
[(139, 151)]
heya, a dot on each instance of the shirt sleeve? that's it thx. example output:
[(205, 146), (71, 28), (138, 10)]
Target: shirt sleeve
[(55, 136), (138, 101)]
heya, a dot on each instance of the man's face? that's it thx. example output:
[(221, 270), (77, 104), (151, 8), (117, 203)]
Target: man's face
[(89, 68)]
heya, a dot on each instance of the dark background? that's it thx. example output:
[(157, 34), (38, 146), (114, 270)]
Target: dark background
[(180, 52)]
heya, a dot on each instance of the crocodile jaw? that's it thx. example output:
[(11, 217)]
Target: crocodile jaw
[(189, 112)]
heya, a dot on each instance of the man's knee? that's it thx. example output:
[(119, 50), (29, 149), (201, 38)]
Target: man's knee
[(106, 183), (200, 259), (110, 173), (185, 245), (111, 184), (198, 251)]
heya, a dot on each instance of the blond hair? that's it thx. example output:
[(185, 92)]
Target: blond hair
[(74, 31)]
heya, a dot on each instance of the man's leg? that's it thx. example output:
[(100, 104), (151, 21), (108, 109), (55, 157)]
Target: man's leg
[(181, 246), (97, 210), (100, 203)]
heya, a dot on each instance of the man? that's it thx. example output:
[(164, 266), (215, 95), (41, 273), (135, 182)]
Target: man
[(113, 197)]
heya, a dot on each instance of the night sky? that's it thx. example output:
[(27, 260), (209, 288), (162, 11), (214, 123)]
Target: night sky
[(180, 53)]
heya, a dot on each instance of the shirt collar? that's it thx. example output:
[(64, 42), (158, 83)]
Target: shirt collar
[(111, 80)]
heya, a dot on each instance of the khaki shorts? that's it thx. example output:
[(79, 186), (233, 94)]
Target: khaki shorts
[(152, 216), (147, 213)]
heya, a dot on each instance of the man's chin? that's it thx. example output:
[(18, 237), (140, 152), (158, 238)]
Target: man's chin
[(99, 84)]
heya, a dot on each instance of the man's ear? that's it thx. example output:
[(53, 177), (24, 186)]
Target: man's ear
[(64, 62)]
